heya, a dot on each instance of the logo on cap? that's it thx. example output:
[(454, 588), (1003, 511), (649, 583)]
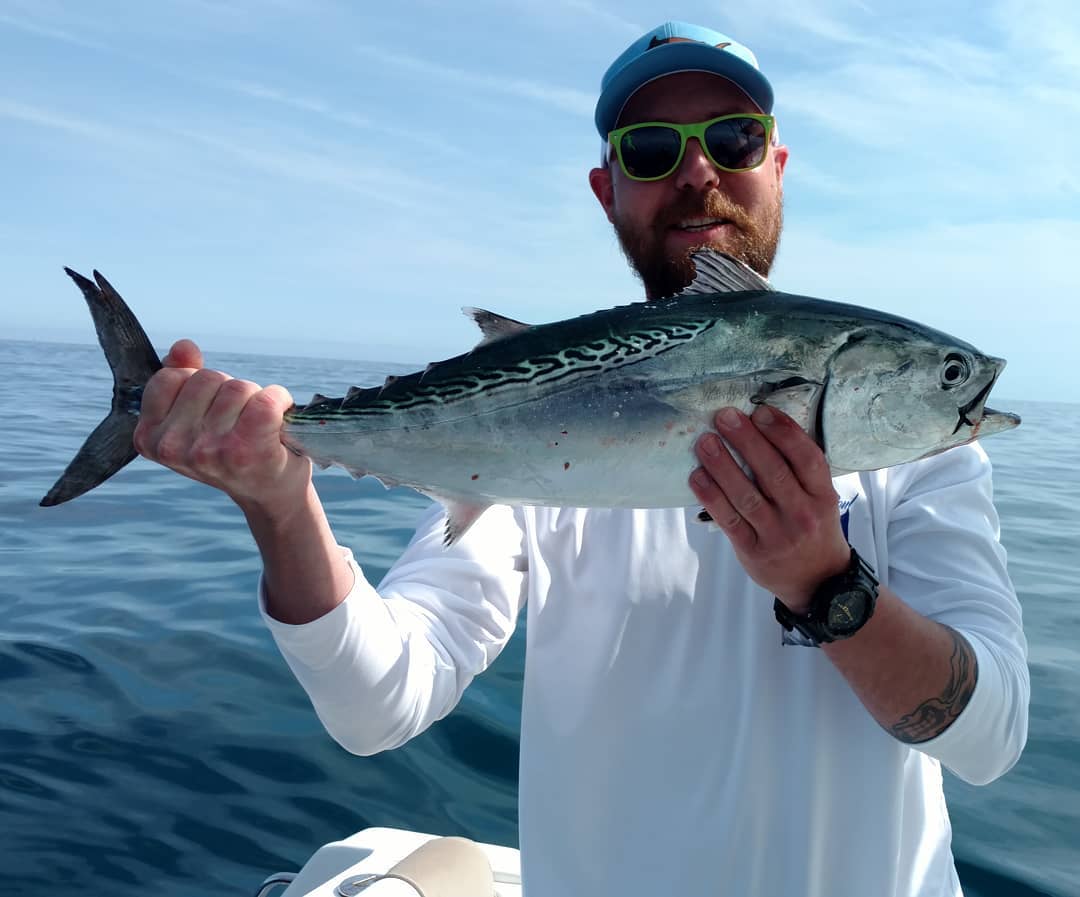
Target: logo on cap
[(660, 41)]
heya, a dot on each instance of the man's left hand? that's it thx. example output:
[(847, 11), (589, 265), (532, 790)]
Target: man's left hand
[(785, 522)]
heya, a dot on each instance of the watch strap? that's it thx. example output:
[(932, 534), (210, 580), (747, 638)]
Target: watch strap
[(813, 625)]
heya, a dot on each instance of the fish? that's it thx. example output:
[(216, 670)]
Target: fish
[(602, 410)]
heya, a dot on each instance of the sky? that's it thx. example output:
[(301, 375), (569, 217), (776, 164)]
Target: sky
[(332, 178)]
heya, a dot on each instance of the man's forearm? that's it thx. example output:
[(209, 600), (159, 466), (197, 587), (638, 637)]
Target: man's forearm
[(914, 675), (304, 573)]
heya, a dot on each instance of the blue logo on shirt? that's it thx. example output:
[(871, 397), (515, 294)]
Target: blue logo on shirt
[(845, 513)]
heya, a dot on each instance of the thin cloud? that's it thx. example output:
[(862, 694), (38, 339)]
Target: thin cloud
[(990, 283), (882, 95), (565, 99), (43, 117), (246, 11), (310, 166), (315, 166), (607, 17), (957, 59), (815, 23), (49, 31), (566, 15), (319, 107), (1046, 32), (805, 175), (262, 92)]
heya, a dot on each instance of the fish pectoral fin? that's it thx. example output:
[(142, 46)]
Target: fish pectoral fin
[(460, 515), (708, 396), (718, 272), (494, 327), (358, 473), (796, 396)]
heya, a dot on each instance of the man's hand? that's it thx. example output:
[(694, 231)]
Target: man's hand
[(226, 433), (221, 431), (785, 523)]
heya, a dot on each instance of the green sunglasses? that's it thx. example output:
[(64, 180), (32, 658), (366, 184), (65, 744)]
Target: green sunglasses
[(652, 150)]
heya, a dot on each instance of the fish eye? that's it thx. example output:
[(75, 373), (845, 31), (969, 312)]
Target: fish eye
[(955, 371)]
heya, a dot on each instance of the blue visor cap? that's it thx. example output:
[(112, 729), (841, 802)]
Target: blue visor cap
[(678, 47)]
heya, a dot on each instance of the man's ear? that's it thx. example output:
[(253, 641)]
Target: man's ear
[(780, 157), (602, 188)]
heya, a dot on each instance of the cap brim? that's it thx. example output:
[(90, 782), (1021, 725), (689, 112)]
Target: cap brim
[(680, 56)]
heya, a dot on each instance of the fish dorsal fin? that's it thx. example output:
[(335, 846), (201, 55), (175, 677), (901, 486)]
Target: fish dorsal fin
[(718, 272), (494, 327), (358, 395)]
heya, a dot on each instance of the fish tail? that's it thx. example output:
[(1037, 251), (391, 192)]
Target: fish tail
[(133, 361)]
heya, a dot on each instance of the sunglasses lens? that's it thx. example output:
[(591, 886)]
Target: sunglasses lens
[(650, 151), (737, 143)]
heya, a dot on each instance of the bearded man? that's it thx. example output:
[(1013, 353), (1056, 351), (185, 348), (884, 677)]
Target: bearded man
[(759, 710)]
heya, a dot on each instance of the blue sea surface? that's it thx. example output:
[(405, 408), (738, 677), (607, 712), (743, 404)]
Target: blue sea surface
[(152, 739)]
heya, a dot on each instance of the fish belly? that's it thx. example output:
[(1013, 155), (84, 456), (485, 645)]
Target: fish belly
[(613, 447)]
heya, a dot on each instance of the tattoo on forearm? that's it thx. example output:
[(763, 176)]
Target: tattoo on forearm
[(934, 716)]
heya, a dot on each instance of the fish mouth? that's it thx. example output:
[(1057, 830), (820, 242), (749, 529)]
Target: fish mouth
[(966, 411), (995, 422), (982, 420)]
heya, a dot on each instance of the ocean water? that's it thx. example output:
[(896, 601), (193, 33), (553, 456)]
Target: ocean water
[(153, 741)]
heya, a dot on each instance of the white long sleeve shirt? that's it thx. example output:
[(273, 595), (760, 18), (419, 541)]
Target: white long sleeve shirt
[(670, 743)]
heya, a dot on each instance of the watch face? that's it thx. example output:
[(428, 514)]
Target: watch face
[(847, 610)]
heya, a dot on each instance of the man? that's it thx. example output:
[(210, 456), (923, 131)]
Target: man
[(675, 737)]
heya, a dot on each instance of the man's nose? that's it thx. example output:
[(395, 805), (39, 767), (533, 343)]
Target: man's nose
[(695, 170)]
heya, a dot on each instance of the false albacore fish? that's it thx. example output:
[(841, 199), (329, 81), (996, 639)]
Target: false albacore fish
[(603, 410)]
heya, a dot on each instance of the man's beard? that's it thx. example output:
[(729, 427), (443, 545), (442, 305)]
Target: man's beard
[(753, 242)]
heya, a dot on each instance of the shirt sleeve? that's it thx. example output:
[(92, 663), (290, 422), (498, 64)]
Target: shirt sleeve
[(386, 663), (946, 560)]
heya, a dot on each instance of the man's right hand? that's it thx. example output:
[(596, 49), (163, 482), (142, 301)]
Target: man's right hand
[(221, 431)]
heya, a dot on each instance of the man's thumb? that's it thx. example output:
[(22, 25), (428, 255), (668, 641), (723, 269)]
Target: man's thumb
[(183, 354)]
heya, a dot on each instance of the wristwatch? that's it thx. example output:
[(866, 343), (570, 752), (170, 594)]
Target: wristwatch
[(841, 605)]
